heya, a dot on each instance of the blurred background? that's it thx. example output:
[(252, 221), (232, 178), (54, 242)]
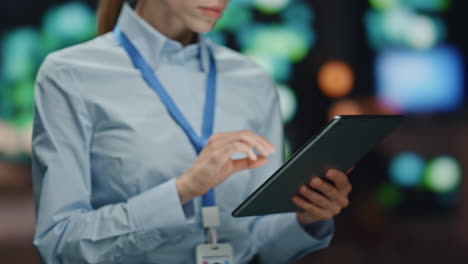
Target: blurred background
[(410, 198)]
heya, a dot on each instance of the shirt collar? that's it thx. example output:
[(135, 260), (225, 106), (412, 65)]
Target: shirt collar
[(153, 45)]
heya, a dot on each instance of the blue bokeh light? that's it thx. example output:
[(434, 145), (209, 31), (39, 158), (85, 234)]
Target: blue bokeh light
[(407, 169), (420, 82)]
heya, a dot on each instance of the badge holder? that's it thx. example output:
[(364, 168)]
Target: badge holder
[(213, 252)]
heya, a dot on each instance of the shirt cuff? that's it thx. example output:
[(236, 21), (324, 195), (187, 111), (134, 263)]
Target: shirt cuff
[(297, 240), (158, 214), (321, 229)]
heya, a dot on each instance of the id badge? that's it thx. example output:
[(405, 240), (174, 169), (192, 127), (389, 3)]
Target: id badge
[(223, 254)]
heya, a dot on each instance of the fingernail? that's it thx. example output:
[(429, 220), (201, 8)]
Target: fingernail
[(272, 148), (271, 151), (265, 151)]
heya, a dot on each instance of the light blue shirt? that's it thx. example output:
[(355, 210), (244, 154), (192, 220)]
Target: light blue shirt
[(106, 154)]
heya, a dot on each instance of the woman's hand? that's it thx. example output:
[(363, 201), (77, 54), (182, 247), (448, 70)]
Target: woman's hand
[(214, 164), (326, 204)]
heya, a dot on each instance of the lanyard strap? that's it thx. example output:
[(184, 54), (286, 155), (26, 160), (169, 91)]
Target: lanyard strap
[(208, 113)]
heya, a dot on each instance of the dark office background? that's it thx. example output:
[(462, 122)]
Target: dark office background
[(410, 198)]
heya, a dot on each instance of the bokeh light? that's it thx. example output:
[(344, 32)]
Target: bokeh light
[(384, 4), (420, 82), (287, 149), (336, 78), (443, 174), (415, 73), (279, 68), (275, 46), (389, 196), (23, 49), (278, 41), (288, 102), (425, 32), (344, 107), (429, 5), (298, 15), (395, 24), (271, 6), (401, 26), (67, 24), (19, 51), (217, 37), (422, 33), (23, 95), (236, 16), (281, 37), (407, 169)]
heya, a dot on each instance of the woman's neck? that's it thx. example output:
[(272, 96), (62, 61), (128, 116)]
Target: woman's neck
[(159, 15)]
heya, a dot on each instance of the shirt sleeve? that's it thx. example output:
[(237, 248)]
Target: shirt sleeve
[(280, 238), (68, 228)]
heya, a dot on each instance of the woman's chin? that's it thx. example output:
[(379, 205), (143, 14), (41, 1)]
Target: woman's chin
[(202, 27)]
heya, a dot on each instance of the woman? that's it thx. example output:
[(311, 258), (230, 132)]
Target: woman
[(120, 172)]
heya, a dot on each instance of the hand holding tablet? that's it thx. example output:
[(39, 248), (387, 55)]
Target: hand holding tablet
[(339, 145), (321, 200)]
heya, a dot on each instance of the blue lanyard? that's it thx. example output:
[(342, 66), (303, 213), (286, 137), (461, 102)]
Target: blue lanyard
[(208, 113)]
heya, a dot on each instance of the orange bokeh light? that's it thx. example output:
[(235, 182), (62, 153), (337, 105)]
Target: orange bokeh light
[(335, 79), (345, 107), (359, 106)]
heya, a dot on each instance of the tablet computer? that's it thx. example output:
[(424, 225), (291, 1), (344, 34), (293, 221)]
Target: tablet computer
[(339, 145)]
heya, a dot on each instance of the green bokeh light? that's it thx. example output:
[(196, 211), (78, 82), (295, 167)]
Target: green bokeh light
[(236, 16), (19, 52), (443, 174), (70, 23), (280, 41), (287, 149), (384, 4), (429, 5), (402, 27), (23, 119), (23, 49), (423, 5), (271, 7), (23, 94), (217, 37), (389, 196), (67, 24), (278, 68)]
